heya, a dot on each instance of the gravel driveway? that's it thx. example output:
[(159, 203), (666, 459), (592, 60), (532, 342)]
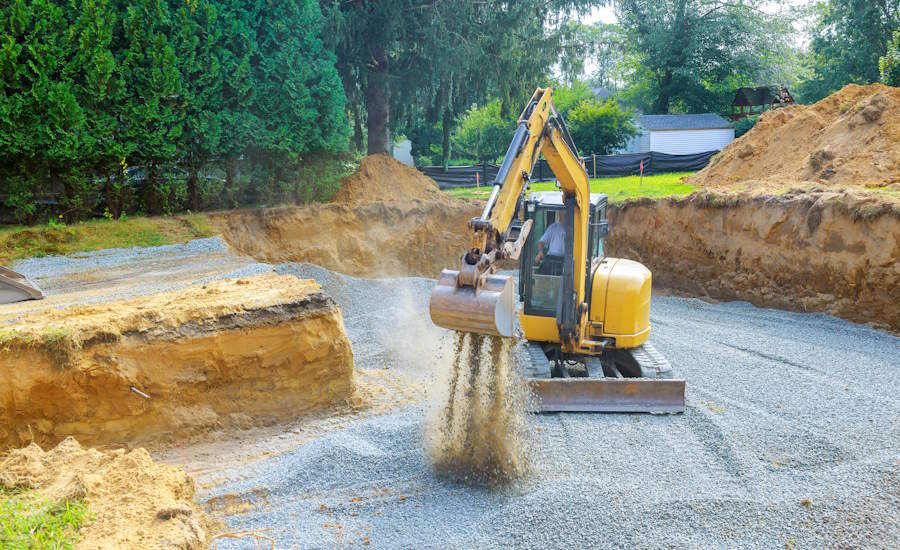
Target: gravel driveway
[(791, 438)]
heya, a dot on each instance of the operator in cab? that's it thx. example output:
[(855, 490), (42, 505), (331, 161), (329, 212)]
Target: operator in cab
[(553, 241)]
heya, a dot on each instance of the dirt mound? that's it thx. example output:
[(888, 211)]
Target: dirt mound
[(376, 239), (806, 251), (133, 502), (848, 139), (382, 178), (236, 353)]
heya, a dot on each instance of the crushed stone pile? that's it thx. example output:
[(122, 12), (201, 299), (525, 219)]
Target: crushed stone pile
[(382, 178), (133, 502), (848, 139)]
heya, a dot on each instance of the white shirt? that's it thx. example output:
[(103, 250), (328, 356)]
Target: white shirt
[(554, 240)]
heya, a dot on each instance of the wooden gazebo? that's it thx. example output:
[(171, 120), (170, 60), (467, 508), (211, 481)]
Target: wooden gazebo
[(753, 101)]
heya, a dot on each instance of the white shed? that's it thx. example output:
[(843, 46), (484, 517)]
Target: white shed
[(681, 134)]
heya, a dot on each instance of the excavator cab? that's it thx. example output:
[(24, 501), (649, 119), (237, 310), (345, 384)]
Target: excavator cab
[(539, 282)]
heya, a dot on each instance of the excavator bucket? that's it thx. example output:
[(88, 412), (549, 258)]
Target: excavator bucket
[(489, 309), (15, 287)]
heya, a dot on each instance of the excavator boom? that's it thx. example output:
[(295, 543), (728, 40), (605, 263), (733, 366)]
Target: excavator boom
[(474, 299)]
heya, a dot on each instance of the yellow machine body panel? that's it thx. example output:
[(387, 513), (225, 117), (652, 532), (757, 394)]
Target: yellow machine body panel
[(619, 309), (620, 302), (539, 328)]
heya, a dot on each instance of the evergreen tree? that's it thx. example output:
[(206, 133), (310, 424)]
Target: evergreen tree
[(198, 43), (151, 113), (300, 101)]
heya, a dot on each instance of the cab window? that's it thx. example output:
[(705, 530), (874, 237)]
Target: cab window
[(544, 275)]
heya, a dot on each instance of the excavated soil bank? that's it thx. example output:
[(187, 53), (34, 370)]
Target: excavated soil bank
[(237, 352), (374, 239), (133, 502), (847, 139), (387, 220), (807, 251)]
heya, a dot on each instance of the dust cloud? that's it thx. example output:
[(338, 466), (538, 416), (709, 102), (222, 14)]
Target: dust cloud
[(476, 431)]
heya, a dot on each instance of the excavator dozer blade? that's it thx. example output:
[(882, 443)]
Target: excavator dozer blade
[(647, 395), (15, 287), (489, 309)]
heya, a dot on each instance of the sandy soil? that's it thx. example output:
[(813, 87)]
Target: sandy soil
[(848, 139), (382, 178), (133, 501), (233, 352), (806, 251), (375, 239)]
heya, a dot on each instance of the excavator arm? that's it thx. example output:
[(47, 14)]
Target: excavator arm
[(474, 299)]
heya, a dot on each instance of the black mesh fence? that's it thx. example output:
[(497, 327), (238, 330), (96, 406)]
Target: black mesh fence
[(598, 166)]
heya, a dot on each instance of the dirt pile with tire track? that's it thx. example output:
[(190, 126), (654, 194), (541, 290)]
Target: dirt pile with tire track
[(232, 353), (803, 250), (133, 502), (848, 139)]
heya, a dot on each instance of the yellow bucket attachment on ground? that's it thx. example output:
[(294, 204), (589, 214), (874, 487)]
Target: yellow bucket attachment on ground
[(489, 309)]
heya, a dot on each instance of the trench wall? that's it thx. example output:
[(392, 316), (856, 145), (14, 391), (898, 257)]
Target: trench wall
[(373, 239), (201, 368), (822, 252)]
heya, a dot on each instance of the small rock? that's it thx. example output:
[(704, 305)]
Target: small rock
[(171, 512)]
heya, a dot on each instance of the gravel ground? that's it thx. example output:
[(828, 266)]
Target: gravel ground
[(791, 437), (123, 273)]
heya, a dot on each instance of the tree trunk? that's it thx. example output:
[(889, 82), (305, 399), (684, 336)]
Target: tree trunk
[(357, 127), (445, 144), (661, 105), (193, 191), (111, 203), (230, 185), (377, 105)]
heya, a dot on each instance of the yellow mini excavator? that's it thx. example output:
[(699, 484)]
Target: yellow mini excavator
[(586, 317)]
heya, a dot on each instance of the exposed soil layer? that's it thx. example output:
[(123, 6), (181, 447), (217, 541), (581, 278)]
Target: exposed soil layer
[(374, 239), (133, 502), (380, 177), (806, 251), (847, 139), (237, 352)]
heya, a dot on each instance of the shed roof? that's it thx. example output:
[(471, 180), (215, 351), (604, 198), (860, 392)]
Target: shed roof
[(703, 121)]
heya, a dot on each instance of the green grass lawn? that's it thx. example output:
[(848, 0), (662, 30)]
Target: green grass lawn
[(28, 522), (617, 189), (18, 241)]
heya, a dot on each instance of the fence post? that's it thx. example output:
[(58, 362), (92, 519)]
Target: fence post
[(595, 164)]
